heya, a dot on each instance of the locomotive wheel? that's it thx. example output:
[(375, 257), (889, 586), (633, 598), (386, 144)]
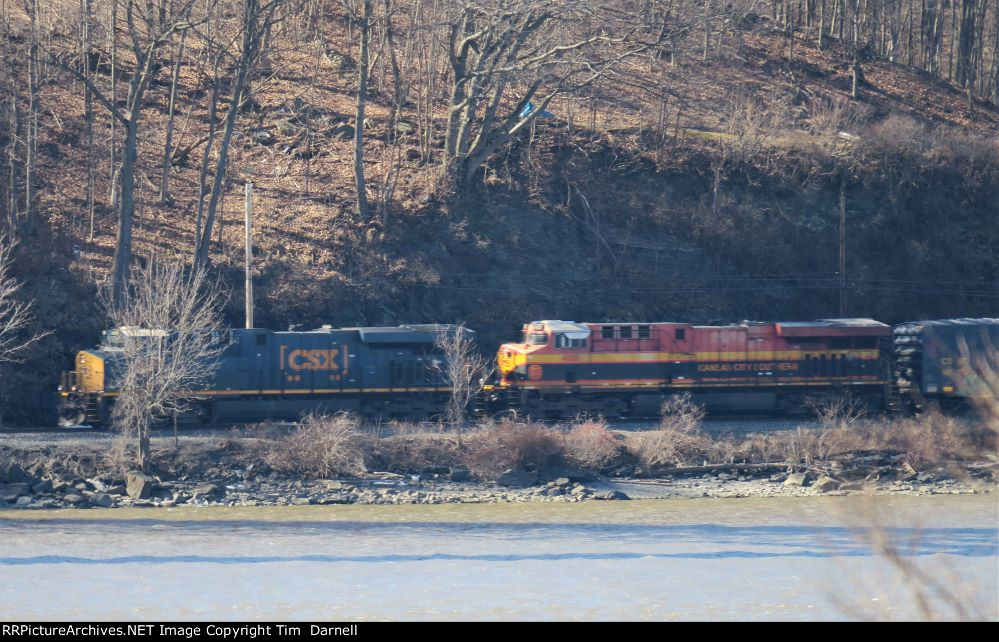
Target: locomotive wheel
[(71, 416)]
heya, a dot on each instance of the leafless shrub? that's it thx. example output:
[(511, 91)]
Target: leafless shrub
[(679, 413), (831, 115), (751, 127), (15, 315), (970, 152), (500, 445), (669, 448), (932, 438), (322, 446), (897, 136), (413, 452), (591, 446), (837, 410)]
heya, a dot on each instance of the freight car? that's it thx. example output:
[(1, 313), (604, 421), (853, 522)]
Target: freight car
[(935, 362), (387, 372), (562, 368)]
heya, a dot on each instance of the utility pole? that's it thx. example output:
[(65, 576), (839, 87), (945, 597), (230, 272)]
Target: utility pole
[(842, 249), (249, 254)]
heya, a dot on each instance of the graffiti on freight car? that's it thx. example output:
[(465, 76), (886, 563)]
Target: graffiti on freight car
[(784, 366)]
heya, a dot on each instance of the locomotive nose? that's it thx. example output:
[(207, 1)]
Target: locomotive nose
[(506, 360)]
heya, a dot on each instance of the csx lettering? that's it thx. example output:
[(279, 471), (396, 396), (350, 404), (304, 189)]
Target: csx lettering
[(313, 359)]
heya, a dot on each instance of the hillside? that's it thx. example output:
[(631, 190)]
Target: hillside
[(702, 190)]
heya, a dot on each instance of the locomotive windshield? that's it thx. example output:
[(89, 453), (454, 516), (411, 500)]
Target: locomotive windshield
[(535, 338)]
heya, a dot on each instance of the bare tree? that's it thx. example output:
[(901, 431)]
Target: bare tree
[(463, 369), (165, 347), (15, 314)]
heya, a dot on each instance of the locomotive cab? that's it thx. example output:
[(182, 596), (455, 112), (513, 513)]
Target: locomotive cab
[(559, 339)]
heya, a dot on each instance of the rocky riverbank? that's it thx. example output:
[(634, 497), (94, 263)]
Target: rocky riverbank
[(24, 490)]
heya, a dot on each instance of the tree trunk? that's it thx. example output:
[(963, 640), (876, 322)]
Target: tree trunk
[(123, 246), (31, 138), (251, 38), (165, 177), (362, 90)]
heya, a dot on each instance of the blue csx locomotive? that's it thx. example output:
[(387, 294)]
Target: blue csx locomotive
[(377, 372)]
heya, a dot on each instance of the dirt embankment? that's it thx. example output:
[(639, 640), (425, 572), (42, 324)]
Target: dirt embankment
[(334, 462)]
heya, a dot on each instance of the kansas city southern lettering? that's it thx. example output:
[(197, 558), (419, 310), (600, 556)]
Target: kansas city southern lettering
[(322, 359), (744, 367)]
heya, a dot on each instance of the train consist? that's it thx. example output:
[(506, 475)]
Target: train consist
[(562, 368)]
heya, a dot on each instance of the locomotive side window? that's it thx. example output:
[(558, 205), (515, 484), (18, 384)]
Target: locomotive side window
[(681, 334), (644, 332), (563, 341), (607, 332), (626, 332)]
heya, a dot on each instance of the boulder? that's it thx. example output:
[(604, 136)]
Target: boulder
[(24, 501), (403, 128), (42, 487), (12, 473), (207, 491), (72, 498), (796, 479), (825, 483), (11, 492), (301, 501), (562, 482), (342, 131), (101, 499), (139, 485), (611, 495), (516, 478)]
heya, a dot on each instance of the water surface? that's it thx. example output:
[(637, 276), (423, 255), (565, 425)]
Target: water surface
[(745, 559)]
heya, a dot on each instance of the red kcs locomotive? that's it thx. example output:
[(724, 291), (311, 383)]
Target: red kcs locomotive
[(562, 368)]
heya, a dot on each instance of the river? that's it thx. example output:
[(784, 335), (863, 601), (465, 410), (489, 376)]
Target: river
[(743, 559)]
